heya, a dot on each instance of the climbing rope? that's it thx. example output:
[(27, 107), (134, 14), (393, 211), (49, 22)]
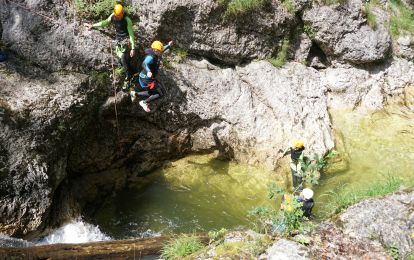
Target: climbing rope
[(115, 101)]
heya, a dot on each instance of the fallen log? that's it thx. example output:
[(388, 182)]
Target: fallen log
[(115, 249)]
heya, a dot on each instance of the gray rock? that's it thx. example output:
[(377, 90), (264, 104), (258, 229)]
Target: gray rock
[(286, 249), (198, 26), (56, 42), (329, 242), (349, 86), (404, 47), (341, 33), (301, 48), (387, 220), (43, 116)]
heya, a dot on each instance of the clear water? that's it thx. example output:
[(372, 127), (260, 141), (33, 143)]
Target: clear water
[(197, 193), (200, 193), (374, 147)]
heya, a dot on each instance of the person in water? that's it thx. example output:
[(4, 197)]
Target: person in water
[(148, 87), (295, 150), (305, 198), (124, 35)]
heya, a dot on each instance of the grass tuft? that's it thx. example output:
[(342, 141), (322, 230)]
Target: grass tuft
[(99, 9), (281, 57), (289, 6), (371, 17), (339, 201), (236, 8), (183, 246), (402, 19)]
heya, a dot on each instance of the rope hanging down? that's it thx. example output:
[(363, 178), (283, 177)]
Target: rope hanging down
[(115, 101)]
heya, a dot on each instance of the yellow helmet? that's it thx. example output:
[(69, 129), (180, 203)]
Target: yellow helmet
[(297, 143), (157, 45), (118, 10)]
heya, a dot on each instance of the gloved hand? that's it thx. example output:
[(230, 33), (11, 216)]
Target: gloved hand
[(149, 74)]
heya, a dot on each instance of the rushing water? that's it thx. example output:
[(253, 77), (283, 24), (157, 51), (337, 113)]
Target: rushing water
[(200, 193)]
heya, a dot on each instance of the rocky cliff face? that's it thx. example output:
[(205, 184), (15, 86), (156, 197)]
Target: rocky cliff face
[(60, 128)]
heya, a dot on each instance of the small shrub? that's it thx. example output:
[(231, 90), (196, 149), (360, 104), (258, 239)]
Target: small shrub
[(183, 246), (401, 20), (235, 8), (309, 31), (101, 79), (371, 17), (217, 235), (261, 219), (333, 2), (394, 252), (180, 54), (289, 6), (99, 9), (281, 57)]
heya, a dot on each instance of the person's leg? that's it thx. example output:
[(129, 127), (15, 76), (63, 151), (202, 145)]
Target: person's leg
[(296, 180)]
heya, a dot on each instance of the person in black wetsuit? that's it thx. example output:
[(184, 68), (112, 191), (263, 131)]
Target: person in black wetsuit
[(306, 198), (295, 150)]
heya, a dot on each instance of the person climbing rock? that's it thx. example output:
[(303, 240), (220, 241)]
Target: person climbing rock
[(148, 87), (295, 150), (124, 37)]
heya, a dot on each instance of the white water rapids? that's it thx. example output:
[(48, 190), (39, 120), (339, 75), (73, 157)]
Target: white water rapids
[(77, 231)]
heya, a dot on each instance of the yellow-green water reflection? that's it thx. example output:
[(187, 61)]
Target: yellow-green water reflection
[(200, 193), (197, 193)]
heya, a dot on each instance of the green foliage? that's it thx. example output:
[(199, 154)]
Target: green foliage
[(101, 79), (394, 252), (289, 6), (183, 246), (291, 217), (333, 2), (180, 54), (281, 57), (99, 9), (402, 19), (217, 235), (339, 201), (371, 17), (94, 9), (310, 169), (261, 219), (236, 8), (309, 31)]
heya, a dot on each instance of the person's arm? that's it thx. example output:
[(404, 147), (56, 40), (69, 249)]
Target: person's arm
[(285, 152), (103, 23), (145, 64), (130, 32)]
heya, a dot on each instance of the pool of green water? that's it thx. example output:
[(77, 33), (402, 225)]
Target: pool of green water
[(201, 193)]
